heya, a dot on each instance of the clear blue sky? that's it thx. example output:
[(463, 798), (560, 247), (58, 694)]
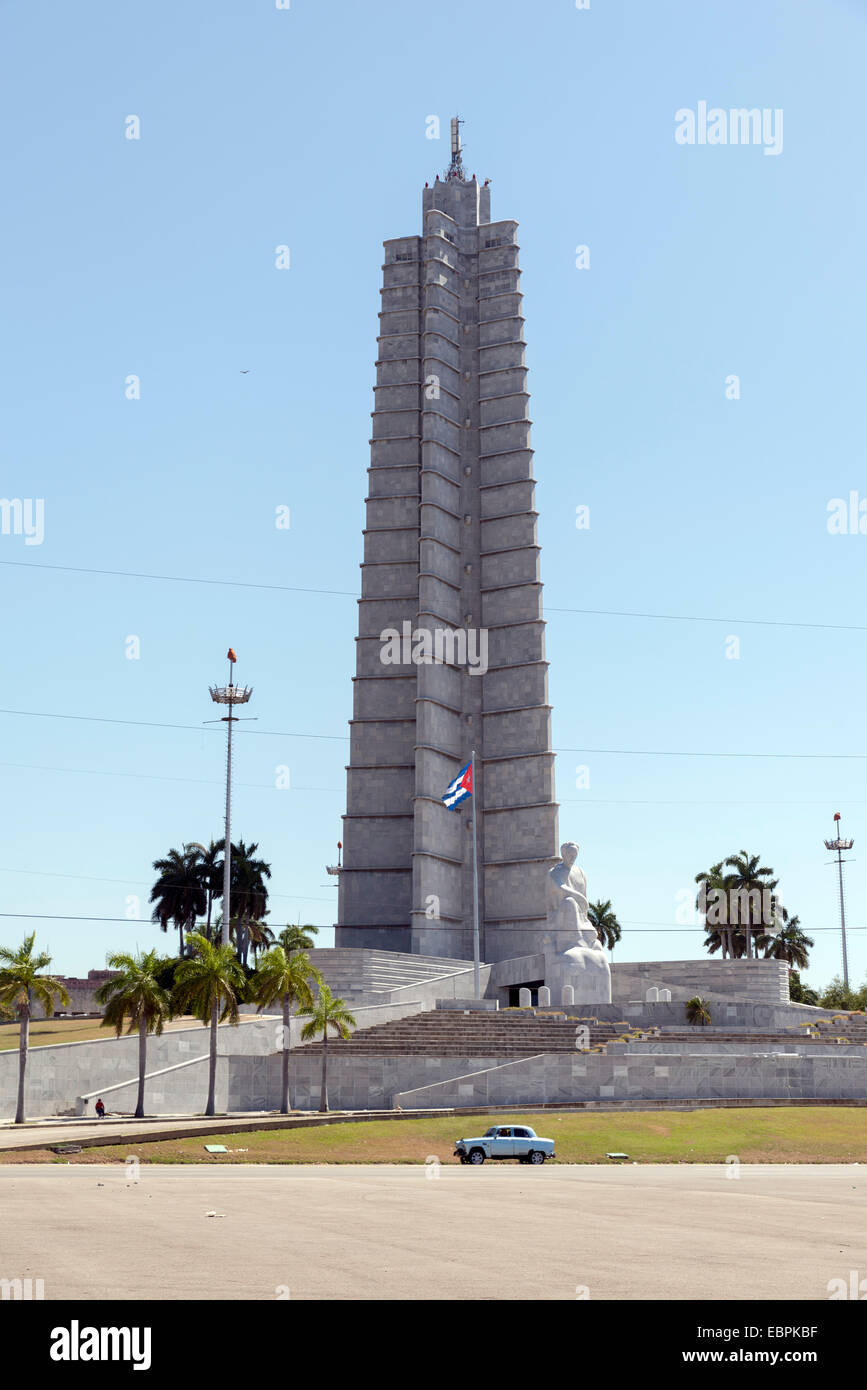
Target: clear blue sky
[(155, 257)]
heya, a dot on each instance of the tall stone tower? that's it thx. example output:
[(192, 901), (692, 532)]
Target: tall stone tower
[(450, 546)]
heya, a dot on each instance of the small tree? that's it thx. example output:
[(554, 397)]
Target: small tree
[(698, 1011), (20, 983), (840, 996), (328, 1012), (287, 978), (209, 984), (136, 993)]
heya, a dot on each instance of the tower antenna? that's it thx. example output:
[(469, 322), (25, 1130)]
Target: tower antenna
[(456, 168)]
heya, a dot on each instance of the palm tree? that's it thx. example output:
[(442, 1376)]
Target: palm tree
[(698, 1010), (287, 978), (209, 984), (608, 929), (297, 938), (209, 864), (327, 1012), (790, 944), (248, 892), (20, 983), (749, 878), (136, 993), (719, 934), (178, 892), (260, 937)]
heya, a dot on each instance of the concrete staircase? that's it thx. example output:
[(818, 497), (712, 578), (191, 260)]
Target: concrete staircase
[(698, 1038), (451, 1033), (372, 977), (853, 1027)]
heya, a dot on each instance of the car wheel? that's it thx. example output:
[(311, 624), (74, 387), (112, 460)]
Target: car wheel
[(477, 1156), (537, 1157)]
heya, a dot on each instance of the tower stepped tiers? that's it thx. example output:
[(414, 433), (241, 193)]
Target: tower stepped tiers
[(450, 549)]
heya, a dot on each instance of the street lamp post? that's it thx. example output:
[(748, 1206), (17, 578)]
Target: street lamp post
[(839, 844), (230, 695)]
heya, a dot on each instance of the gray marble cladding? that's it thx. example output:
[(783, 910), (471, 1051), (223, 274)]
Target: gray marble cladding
[(766, 981), (563, 1077), (450, 541)]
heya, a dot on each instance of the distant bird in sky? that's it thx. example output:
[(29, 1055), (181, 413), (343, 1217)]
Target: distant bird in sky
[(245, 371)]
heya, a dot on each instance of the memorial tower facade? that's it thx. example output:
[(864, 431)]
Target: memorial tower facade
[(451, 640)]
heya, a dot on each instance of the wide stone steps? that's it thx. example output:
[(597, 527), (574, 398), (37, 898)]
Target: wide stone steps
[(695, 1036), (350, 971), (451, 1033), (857, 1027)]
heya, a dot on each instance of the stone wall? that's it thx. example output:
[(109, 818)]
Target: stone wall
[(354, 1083), (724, 1013), (758, 981), (564, 1077), (754, 981), (58, 1075)]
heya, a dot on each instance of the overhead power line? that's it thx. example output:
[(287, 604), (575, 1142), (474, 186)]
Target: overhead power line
[(151, 724), (696, 618), (178, 578), (161, 777), (142, 883), (339, 791), (145, 922), (691, 753), (344, 738), (348, 593)]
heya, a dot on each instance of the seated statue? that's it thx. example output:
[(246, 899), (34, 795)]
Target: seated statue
[(574, 955)]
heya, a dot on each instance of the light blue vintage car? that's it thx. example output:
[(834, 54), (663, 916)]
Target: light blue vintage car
[(505, 1141)]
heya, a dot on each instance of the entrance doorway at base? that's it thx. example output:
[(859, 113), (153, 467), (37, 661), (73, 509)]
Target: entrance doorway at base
[(532, 985)]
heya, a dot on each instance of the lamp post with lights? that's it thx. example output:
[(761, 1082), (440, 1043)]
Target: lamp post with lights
[(230, 695), (839, 844)]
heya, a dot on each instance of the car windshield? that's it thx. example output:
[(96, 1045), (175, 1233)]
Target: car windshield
[(489, 1133)]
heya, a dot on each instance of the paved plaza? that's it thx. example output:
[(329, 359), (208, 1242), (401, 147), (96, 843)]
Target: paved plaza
[(400, 1232)]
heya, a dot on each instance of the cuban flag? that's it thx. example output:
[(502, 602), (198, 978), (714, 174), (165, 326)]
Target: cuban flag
[(458, 790)]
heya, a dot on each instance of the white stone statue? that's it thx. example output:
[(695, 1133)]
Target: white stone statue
[(574, 955)]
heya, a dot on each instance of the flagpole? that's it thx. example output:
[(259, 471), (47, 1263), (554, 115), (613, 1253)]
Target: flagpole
[(476, 985)]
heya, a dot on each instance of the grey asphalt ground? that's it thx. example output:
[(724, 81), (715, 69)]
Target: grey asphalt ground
[(394, 1232)]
